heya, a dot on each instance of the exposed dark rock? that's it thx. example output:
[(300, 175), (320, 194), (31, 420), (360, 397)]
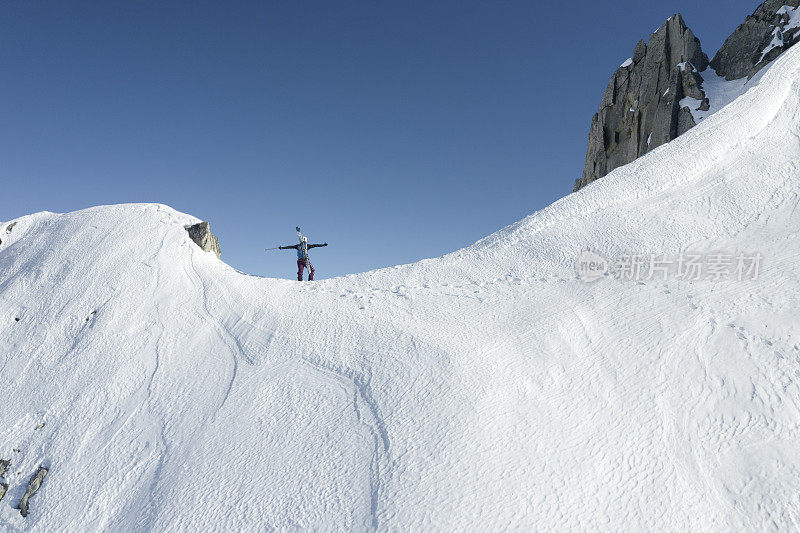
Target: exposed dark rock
[(639, 51), (685, 121), (8, 229), (33, 486), (4, 464), (692, 82), (202, 236), (640, 107), (742, 54)]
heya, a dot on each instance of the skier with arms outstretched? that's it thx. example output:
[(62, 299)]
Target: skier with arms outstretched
[(302, 256)]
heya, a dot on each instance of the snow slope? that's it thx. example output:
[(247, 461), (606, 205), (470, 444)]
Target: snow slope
[(489, 389), (719, 91)]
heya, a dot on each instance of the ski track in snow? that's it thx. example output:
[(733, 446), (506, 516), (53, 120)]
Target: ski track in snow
[(489, 389)]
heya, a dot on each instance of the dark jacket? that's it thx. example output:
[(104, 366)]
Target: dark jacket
[(302, 254), (297, 246)]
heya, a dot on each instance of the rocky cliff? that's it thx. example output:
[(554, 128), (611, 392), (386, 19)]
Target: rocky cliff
[(763, 36), (202, 236), (642, 105), (639, 109)]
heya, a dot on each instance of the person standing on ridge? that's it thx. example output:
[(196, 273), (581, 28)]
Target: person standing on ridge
[(302, 257)]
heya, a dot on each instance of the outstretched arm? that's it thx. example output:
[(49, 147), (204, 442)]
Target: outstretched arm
[(317, 245), (289, 247)]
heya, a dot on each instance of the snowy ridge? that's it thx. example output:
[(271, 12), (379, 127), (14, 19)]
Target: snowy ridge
[(488, 389)]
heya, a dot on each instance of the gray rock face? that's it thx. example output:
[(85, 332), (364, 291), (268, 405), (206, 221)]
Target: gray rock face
[(743, 53), (33, 486), (640, 107), (202, 236), (4, 464)]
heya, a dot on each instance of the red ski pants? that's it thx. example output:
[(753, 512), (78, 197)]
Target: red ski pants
[(304, 263)]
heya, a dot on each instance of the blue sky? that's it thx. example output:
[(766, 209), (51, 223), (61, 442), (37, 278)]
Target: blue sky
[(395, 131)]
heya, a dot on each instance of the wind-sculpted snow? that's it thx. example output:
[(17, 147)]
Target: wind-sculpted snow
[(487, 390)]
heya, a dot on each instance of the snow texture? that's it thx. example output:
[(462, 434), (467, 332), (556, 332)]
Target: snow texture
[(628, 62), (486, 390), (720, 92)]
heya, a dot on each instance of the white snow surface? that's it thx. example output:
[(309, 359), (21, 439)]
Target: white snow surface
[(485, 390), (720, 92)]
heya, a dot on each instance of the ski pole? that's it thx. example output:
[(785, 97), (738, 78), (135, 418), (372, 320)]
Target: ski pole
[(266, 249)]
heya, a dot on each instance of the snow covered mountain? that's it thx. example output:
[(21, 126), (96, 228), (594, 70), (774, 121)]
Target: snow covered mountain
[(490, 389)]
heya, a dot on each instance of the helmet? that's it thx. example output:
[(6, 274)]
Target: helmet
[(303, 239)]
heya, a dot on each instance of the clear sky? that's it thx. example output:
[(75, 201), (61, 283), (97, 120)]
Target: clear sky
[(395, 131)]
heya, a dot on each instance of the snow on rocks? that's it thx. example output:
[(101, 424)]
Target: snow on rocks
[(763, 36), (719, 93), (785, 32)]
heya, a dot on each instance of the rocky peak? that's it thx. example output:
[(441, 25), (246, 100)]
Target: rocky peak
[(640, 106), (202, 236), (763, 36)]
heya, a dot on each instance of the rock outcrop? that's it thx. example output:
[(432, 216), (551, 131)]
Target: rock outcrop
[(4, 464), (640, 107), (8, 229), (202, 236), (763, 36), (33, 486)]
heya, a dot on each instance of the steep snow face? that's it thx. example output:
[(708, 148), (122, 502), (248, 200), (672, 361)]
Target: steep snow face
[(489, 389)]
